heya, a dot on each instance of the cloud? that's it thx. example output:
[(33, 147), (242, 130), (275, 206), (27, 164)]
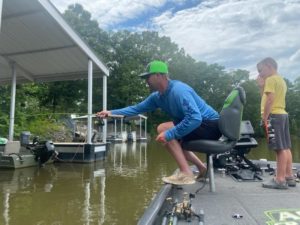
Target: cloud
[(111, 12), (237, 34), (233, 33)]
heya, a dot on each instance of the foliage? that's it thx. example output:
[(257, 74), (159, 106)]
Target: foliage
[(126, 55), (4, 113)]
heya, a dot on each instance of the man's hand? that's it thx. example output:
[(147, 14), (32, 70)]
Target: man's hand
[(161, 138), (103, 114)]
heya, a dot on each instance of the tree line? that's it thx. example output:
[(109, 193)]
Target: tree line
[(40, 107)]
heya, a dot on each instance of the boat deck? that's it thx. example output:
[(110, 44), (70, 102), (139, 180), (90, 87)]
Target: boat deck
[(233, 203)]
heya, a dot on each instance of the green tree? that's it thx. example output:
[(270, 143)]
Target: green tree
[(126, 55)]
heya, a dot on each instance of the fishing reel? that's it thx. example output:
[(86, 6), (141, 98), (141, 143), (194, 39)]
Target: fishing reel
[(182, 211), (99, 121), (184, 208)]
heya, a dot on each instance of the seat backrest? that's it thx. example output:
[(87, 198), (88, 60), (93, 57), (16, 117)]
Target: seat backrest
[(12, 147), (231, 114)]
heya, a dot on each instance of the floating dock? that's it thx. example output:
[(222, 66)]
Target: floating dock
[(80, 152)]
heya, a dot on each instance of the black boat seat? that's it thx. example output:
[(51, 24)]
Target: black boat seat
[(209, 146), (229, 125)]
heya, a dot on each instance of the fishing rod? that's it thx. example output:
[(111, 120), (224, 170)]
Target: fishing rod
[(170, 217)]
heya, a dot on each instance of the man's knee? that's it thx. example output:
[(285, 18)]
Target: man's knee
[(164, 126)]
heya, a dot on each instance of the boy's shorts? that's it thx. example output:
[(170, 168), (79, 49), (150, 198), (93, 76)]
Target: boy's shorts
[(280, 127)]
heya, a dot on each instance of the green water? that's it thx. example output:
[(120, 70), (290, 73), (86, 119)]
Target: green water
[(113, 192)]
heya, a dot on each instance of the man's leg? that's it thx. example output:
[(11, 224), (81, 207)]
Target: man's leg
[(193, 158), (175, 149), (180, 156)]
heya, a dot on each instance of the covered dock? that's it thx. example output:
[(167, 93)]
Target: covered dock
[(140, 122), (119, 128), (38, 45)]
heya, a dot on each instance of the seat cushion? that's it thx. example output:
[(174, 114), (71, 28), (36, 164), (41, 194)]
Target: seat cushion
[(208, 146)]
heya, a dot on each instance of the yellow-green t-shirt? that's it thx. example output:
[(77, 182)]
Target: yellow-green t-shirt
[(275, 84)]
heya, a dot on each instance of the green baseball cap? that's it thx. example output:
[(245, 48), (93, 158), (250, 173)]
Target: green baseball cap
[(155, 67)]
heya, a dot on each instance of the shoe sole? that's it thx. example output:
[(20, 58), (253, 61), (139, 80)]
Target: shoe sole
[(291, 182), (275, 187), (175, 183)]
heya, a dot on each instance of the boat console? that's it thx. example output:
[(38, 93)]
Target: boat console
[(235, 161)]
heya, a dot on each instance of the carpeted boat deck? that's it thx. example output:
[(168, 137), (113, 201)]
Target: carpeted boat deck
[(234, 203)]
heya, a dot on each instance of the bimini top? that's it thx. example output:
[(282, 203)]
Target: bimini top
[(35, 37)]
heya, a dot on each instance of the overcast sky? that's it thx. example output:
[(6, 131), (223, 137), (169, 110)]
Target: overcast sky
[(233, 33)]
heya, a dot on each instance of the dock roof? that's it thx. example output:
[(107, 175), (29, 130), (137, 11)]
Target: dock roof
[(35, 37)]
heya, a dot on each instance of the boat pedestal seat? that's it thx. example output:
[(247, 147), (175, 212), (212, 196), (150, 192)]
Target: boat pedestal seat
[(229, 125), (209, 146)]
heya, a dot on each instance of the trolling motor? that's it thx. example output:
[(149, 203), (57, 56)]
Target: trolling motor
[(43, 150), (99, 121)]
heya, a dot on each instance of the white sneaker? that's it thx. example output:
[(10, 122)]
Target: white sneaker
[(179, 179)]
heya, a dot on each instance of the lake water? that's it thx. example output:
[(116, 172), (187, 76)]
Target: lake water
[(113, 192)]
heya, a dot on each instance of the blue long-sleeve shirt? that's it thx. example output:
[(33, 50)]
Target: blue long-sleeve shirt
[(181, 103)]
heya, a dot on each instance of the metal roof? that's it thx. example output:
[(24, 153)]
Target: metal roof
[(42, 45)]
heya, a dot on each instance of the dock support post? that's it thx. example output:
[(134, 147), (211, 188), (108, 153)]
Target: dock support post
[(12, 103), (90, 101), (104, 130)]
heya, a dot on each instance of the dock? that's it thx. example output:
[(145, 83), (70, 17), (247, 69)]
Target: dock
[(80, 152), (127, 129)]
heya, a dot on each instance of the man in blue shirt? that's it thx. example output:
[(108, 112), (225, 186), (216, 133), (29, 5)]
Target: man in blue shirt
[(192, 118)]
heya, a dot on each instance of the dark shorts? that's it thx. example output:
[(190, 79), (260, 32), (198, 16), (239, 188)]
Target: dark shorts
[(280, 124), (209, 129)]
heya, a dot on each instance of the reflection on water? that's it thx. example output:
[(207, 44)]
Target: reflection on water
[(121, 151), (55, 194), (113, 192)]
